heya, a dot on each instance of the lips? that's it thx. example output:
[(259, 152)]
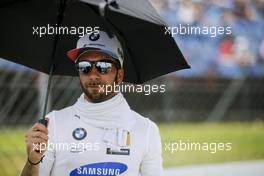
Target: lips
[(94, 86)]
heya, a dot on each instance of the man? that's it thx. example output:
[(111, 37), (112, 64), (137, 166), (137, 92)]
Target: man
[(99, 134)]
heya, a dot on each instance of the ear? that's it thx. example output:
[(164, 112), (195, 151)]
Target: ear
[(120, 75)]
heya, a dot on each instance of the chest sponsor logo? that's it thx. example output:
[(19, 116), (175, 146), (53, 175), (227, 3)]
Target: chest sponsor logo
[(79, 133), (100, 169), (110, 151)]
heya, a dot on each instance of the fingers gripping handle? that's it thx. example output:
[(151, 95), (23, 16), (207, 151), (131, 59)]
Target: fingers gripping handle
[(45, 123)]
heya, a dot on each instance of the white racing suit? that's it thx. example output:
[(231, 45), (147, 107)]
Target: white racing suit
[(101, 139)]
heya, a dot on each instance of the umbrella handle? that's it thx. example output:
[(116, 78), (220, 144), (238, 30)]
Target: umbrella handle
[(43, 122)]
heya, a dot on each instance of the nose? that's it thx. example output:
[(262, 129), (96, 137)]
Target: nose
[(94, 74)]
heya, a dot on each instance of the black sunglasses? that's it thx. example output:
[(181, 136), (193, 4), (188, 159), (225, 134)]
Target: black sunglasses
[(102, 66)]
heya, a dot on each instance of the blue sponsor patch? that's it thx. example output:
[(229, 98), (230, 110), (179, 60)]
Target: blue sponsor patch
[(100, 169)]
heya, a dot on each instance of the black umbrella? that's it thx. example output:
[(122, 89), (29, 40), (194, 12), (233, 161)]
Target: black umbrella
[(149, 53)]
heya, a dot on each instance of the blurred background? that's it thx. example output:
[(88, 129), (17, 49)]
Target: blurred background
[(220, 99)]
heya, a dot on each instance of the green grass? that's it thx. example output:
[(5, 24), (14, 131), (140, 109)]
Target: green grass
[(247, 144), (12, 151)]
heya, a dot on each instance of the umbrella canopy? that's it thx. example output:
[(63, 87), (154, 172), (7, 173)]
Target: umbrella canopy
[(148, 51), (38, 34)]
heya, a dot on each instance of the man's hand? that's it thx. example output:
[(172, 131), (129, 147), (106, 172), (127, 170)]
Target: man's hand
[(36, 142)]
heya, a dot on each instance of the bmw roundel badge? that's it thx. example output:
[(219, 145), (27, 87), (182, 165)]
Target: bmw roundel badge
[(94, 36), (79, 133)]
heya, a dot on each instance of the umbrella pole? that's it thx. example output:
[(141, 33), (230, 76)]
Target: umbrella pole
[(48, 92), (61, 6), (43, 120)]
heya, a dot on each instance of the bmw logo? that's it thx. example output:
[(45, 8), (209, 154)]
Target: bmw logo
[(94, 36), (79, 133)]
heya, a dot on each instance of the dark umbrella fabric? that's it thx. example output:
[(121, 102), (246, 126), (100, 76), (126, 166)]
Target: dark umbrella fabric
[(47, 53), (149, 52), (20, 45)]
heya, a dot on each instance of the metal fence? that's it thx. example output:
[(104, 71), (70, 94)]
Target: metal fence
[(185, 99)]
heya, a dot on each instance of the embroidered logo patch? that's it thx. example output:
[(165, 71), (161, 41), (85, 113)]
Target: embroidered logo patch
[(94, 36), (79, 133)]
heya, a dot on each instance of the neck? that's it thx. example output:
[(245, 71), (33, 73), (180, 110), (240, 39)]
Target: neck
[(105, 106), (100, 100)]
